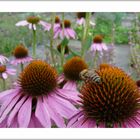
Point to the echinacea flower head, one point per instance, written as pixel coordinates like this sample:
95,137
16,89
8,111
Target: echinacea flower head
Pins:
70,77
32,21
4,71
21,55
81,18
66,49
36,101
73,67
98,44
57,20
112,103
68,31
3,59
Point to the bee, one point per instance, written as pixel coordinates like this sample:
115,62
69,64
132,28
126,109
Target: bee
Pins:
90,75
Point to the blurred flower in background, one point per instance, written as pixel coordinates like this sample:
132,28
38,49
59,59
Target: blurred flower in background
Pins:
81,18
21,56
3,59
4,71
32,21
68,31
98,44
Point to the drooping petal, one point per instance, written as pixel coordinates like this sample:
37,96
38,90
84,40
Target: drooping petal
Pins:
22,23
74,118
24,114
70,95
71,33
62,106
55,116
42,113
5,98
46,25
9,107
4,75
11,71
34,123
15,111
70,85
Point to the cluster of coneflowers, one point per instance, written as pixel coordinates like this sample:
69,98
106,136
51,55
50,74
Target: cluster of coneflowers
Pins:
42,98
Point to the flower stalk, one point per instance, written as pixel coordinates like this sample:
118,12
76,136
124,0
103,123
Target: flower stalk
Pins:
51,39
4,84
22,66
34,42
62,45
85,34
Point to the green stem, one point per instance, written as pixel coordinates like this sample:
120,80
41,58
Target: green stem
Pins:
51,39
85,34
4,83
62,47
34,43
22,66
95,60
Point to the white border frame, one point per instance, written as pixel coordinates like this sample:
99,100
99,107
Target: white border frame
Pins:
67,6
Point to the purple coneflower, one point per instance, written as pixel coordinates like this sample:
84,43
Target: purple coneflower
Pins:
32,21
4,72
81,18
57,22
68,31
114,102
98,44
70,77
3,59
21,56
36,100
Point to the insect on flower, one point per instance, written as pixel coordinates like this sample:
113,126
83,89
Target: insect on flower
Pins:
90,75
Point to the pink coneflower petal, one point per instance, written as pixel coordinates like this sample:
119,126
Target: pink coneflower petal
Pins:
21,60
10,106
56,28
3,124
104,47
62,106
45,117
70,85
99,47
56,34
55,116
80,21
6,97
93,48
32,26
61,34
3,59
79,123
34,123
71,33
66,34
15,111
11,71
74,118
22,23
24,114
70,95
46,25
4,75
14,123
